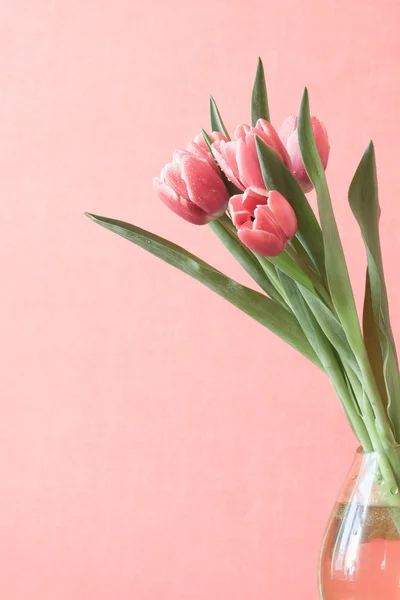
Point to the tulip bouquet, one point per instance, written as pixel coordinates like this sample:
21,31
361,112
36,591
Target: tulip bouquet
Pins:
251,191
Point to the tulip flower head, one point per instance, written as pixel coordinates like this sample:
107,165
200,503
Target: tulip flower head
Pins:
192,188
289,137
238,158
265,221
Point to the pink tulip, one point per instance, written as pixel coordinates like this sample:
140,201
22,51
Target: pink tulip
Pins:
199,147
265,221
289,137
192,188
239,159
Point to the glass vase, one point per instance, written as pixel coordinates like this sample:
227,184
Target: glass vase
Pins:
360,555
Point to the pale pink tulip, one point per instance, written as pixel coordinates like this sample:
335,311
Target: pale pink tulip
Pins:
192,188
289,137
239,159
265,221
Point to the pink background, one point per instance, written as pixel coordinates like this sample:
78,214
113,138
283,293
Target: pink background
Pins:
155,442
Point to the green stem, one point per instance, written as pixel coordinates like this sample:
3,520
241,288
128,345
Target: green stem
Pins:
305,256
351,408
390,464
313,276
222,228
271,273
374,400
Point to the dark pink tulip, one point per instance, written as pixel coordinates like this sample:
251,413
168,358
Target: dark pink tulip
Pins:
289,137
192,188
239,160
265,221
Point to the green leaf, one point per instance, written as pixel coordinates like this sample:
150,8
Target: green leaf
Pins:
259,99
372,343
217,123
332,328
256,305
364,202
308,322
336,268
245,258
284,263
207,139
338,277
277,177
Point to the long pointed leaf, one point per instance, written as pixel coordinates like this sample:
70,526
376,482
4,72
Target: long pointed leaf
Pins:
256,305
277,177
364,202
336,268
216,121
259,99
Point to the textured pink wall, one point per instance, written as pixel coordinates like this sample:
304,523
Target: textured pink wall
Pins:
154,442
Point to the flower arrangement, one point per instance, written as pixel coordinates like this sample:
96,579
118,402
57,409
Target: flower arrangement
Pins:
251,190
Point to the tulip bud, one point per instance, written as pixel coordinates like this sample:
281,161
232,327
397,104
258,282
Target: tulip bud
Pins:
265,221
289,137
239,159
192,188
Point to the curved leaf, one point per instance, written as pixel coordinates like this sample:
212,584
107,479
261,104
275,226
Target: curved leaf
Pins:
336,268
364,202
286,264
259,99
256,305
332,328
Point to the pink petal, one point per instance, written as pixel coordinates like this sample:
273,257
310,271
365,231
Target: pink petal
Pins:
247,161
201,151
171,175
236,202
216,135
239,214
261,242
283,214
199,141
253,197
289,134
286,129
268,134
321,139
224,153
264,221
298,170
241,130
205,187
229,153
198,149
181,207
